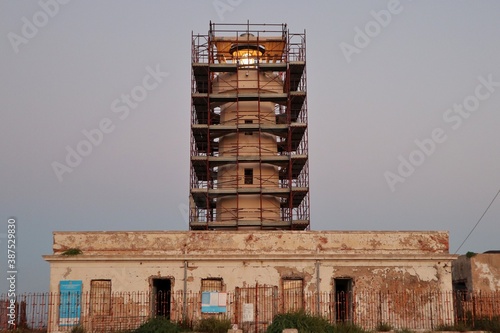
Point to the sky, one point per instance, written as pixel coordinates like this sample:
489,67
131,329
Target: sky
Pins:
403,104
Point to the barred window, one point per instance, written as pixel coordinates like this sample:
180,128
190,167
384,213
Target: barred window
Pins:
211,284
100,297
248,176
293,294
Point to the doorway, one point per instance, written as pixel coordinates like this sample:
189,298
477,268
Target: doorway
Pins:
343,299
162,289
461,295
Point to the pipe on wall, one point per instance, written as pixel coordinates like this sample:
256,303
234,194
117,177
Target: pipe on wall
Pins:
184,298
318,289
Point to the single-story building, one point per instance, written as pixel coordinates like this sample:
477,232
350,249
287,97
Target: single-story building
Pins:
369,277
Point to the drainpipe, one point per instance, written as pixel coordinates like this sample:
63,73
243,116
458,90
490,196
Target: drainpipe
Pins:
318,289
184,298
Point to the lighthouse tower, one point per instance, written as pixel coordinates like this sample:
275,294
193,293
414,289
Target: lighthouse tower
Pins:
249,162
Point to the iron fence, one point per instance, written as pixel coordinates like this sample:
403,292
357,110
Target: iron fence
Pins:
251,308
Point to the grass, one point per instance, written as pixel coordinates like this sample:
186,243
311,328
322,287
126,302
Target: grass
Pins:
405,330
481,324
213,325
383,327
347,328
158,325
302,321
306,323
72,252
490,325
78,329
460,327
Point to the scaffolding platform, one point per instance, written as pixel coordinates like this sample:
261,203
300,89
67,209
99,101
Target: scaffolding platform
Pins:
204,101
292,134
295,163
279,57
242,224
293,72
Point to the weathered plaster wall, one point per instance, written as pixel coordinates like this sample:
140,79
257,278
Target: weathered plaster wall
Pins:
370,274
243,243
374,260
485,271
480,272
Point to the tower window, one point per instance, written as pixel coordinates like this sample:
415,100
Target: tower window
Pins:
248,176
248,121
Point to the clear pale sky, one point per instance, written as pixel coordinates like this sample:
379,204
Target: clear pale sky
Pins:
422,84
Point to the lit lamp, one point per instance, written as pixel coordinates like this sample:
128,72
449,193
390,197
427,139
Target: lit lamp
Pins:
247,54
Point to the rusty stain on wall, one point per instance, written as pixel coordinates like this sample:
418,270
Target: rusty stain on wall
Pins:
207,242
382,260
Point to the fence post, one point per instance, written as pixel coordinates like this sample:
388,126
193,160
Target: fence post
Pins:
415,310
256,323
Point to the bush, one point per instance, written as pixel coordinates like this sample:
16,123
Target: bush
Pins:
72,252
78,329
347,328
490,325
405,330
383,327
158,325
458,327
213,325
306,323
185,325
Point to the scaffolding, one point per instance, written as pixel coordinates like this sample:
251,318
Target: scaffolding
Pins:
249,152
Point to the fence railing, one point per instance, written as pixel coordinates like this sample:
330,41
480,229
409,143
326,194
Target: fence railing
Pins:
252,308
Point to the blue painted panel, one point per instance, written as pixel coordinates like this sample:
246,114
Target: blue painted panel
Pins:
70,302
213,302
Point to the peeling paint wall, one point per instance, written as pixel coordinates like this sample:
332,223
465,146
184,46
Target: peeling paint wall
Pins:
382,260
480,272
373,261
136,274
241,242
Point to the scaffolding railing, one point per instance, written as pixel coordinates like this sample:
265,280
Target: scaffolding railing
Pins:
275,84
